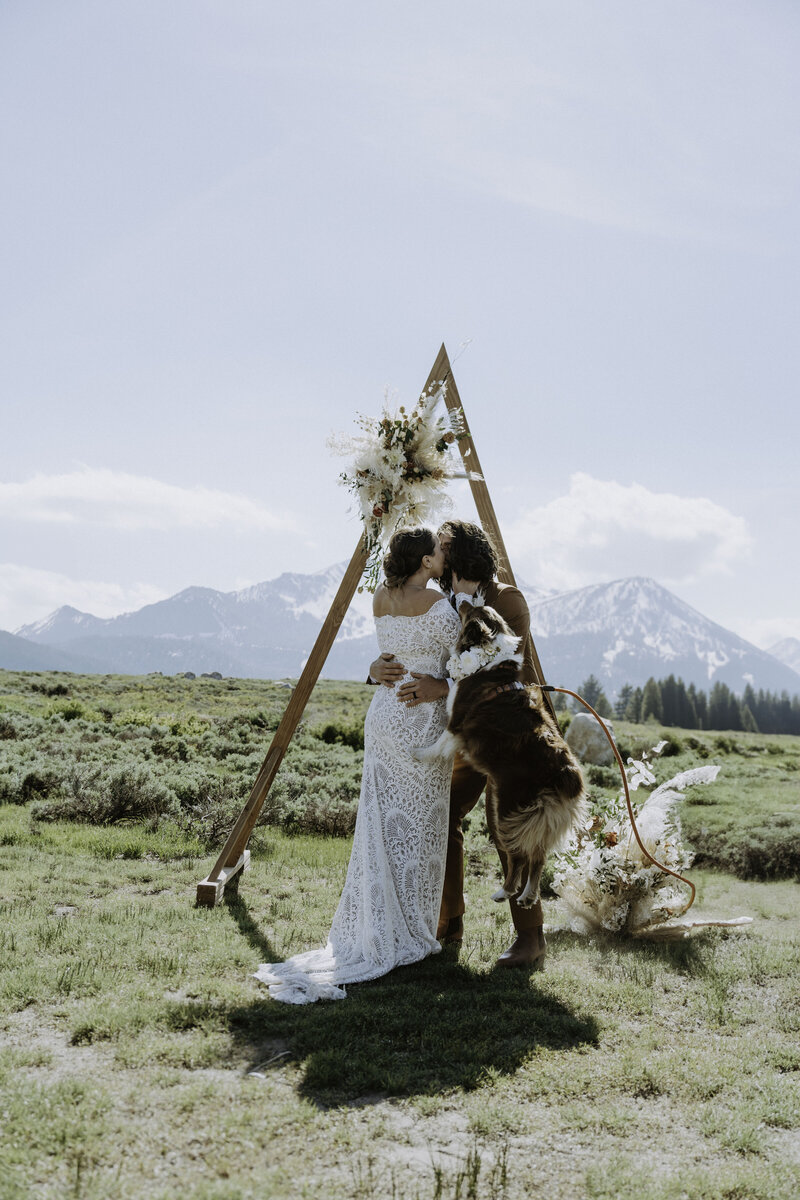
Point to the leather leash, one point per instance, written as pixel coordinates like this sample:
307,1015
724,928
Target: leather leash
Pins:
548,687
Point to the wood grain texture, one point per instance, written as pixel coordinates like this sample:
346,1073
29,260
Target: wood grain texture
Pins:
209,891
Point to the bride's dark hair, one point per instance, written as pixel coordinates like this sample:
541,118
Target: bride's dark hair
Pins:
407,548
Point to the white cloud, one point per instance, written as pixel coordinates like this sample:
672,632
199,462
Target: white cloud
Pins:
28,594
98,496
604,530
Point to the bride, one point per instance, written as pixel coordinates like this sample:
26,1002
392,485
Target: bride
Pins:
388,911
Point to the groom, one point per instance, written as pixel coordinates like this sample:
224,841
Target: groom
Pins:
470,558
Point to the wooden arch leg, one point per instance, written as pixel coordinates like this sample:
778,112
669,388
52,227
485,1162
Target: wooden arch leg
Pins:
234,857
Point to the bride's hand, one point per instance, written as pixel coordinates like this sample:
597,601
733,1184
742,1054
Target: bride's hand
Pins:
386,670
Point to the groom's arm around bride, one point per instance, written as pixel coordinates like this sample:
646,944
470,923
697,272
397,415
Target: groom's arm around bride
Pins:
472,563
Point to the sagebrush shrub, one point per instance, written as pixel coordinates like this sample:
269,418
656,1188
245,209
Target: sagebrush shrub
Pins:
38,783
8,730
762,852
127,793
604,777
55,689
109,756
343,734
68,710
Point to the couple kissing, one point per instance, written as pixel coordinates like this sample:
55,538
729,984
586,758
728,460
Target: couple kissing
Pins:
471,560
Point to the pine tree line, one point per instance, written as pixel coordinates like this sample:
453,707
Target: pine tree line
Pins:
670,702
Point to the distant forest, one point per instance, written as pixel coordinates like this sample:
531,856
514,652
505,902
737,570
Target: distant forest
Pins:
670,702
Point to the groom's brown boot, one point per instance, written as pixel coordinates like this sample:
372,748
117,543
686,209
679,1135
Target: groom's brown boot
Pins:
528,950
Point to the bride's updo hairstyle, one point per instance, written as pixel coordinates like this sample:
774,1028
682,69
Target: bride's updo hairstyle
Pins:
407,548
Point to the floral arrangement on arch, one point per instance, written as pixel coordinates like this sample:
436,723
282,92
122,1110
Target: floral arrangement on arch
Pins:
603,879
402,463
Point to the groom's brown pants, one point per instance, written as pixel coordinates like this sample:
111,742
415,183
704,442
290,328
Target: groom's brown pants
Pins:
465,792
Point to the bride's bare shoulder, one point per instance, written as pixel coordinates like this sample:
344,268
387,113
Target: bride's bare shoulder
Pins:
381,601
399,603
435,597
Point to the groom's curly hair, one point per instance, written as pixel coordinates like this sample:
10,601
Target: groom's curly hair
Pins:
471,554
407,549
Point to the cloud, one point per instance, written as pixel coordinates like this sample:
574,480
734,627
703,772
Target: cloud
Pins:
28,594
98,496
605,530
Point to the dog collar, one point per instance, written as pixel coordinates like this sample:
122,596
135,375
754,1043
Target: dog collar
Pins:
510,687
501,649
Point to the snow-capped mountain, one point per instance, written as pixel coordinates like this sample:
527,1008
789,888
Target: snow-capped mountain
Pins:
630,629
787,651
622,632
263,631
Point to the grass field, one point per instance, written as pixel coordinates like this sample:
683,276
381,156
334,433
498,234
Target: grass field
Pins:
139,1058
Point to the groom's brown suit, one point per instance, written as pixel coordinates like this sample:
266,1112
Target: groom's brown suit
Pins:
468,784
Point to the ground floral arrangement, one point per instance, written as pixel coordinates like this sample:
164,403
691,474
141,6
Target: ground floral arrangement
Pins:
602,877
401,465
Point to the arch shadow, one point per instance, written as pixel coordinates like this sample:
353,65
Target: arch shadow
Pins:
435,1026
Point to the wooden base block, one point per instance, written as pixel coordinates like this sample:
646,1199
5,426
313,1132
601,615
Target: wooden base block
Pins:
210,891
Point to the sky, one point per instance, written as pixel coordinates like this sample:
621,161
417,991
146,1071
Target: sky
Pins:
229,226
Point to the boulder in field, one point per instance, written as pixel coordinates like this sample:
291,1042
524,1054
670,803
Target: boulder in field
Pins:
587,740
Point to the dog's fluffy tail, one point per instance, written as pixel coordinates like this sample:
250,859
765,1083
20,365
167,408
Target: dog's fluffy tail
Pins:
443,747
546,824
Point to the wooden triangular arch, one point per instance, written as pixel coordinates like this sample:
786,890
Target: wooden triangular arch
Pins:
235,856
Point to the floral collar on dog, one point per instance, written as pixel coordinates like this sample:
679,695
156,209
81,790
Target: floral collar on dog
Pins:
500,649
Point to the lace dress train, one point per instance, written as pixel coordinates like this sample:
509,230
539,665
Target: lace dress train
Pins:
389,907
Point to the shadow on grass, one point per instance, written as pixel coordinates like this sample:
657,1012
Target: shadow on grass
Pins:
431,1027
687,956
248,928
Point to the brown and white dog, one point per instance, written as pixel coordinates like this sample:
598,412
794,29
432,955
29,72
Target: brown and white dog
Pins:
503,729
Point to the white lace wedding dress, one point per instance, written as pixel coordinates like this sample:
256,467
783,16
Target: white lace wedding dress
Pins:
389,908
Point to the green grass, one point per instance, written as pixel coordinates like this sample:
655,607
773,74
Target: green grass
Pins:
182,755
131,1022
138,1057
141,699
109,749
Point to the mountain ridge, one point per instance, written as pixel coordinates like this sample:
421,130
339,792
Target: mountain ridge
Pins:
622,631
787,650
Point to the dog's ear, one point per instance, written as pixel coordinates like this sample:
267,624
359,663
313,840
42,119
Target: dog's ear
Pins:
495,622
473,633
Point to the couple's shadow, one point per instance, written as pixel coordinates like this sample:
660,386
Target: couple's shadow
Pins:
437,1025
